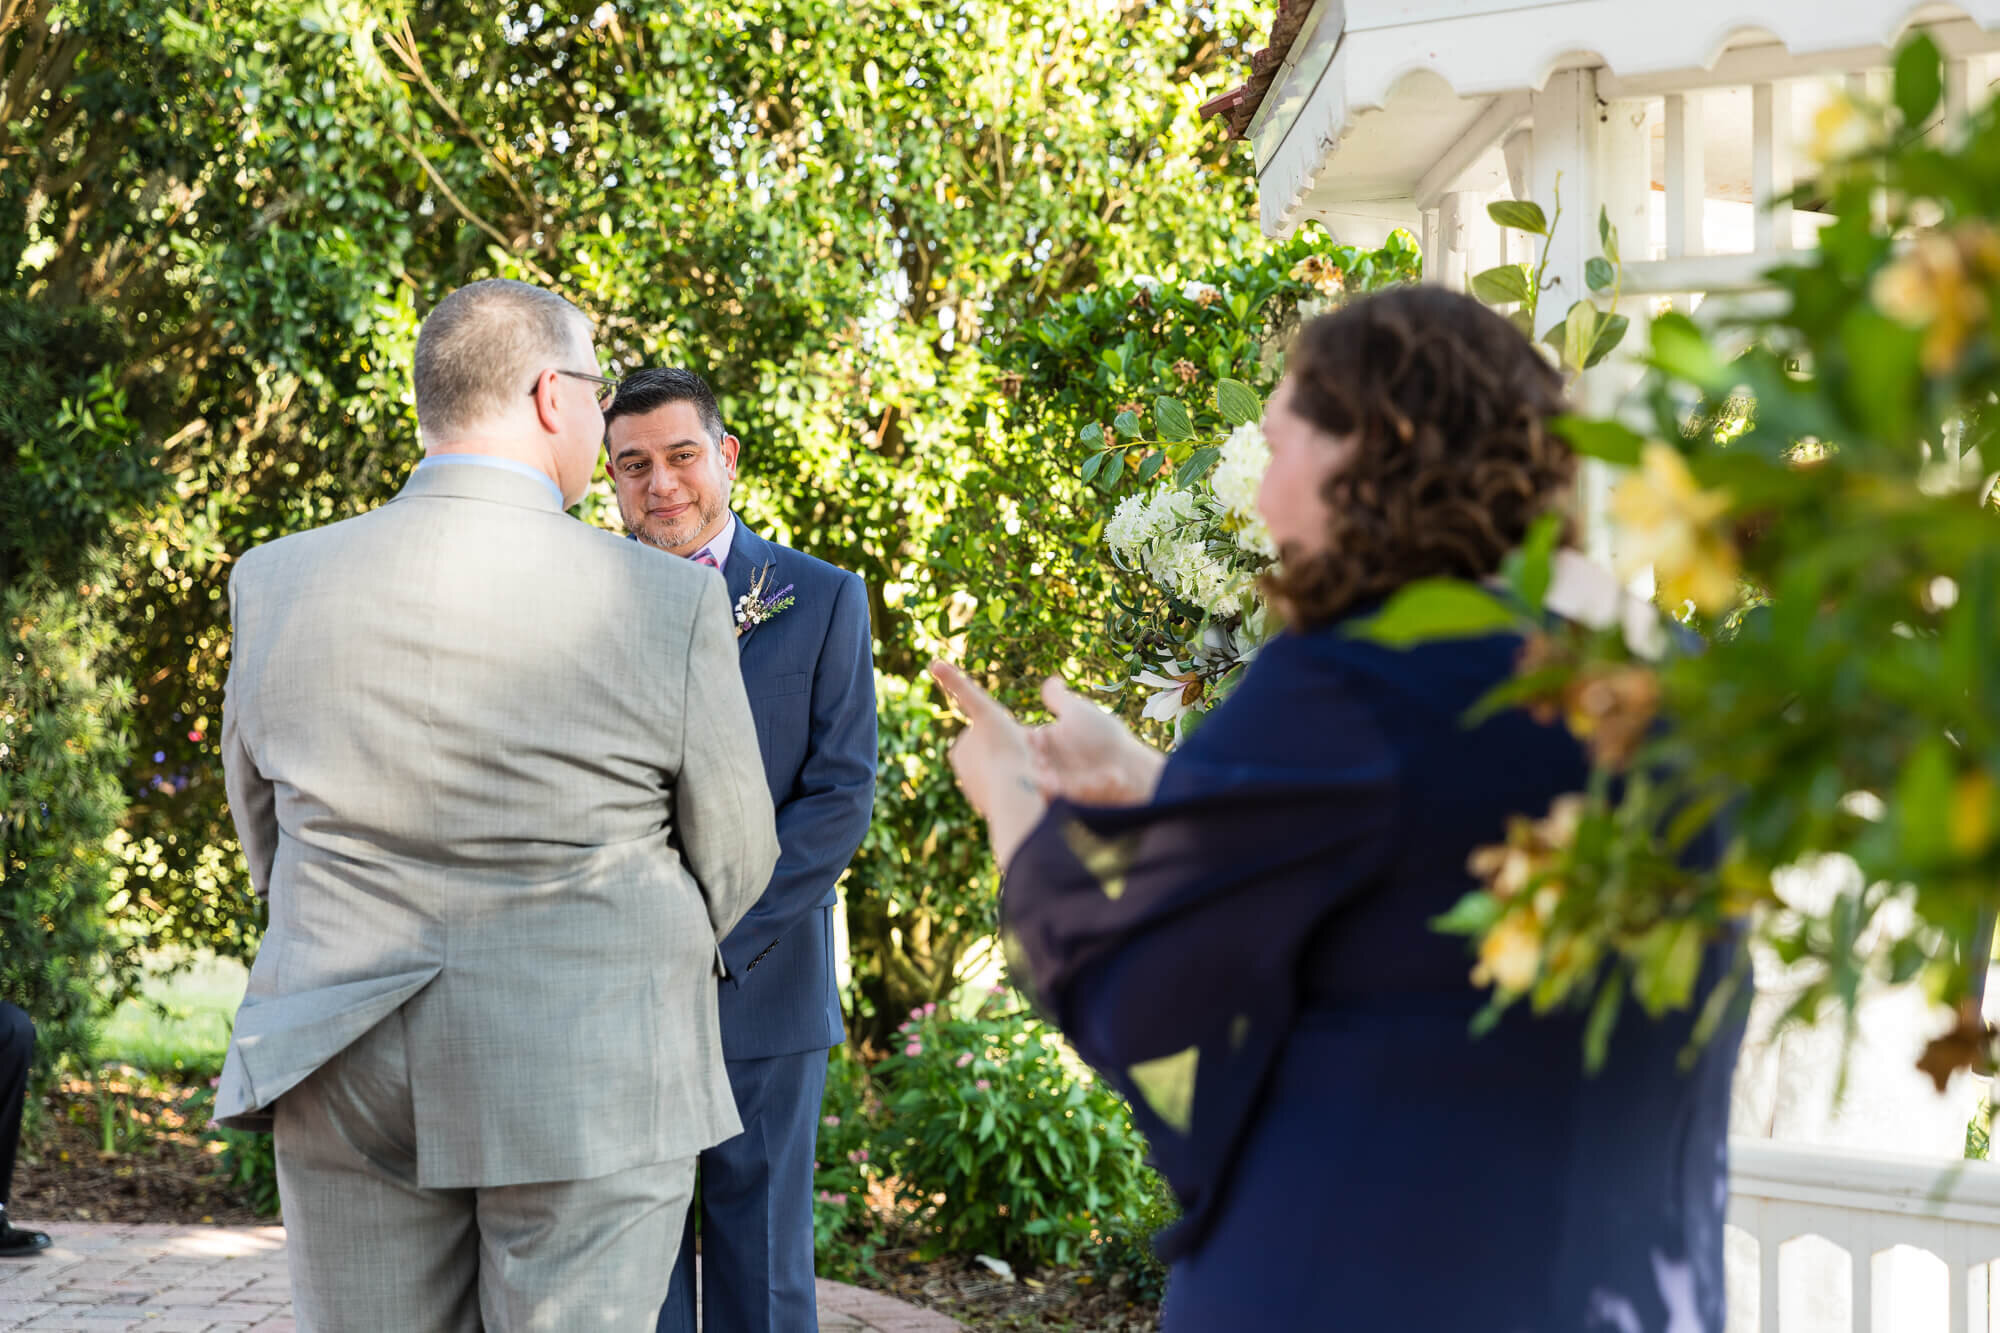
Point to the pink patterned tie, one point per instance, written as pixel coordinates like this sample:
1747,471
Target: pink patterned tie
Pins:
705,557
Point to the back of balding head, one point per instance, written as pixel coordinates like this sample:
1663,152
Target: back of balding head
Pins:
480,349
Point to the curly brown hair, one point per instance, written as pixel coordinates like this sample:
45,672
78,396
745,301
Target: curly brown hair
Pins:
1454,460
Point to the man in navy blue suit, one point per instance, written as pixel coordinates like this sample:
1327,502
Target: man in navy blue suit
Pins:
803,641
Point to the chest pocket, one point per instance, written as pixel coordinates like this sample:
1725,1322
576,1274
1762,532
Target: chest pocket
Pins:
782,707
776,687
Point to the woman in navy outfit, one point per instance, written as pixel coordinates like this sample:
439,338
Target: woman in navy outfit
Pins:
1238,935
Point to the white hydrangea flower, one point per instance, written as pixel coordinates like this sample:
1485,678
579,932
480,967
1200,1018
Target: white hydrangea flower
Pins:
1129,529
1245,457
1202,293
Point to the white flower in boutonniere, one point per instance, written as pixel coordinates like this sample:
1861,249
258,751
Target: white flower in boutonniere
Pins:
758,605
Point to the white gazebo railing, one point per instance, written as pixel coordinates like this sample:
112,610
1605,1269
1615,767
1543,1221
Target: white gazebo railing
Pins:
1919,1238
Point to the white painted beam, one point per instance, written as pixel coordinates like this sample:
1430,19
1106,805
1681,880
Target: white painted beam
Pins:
1501,115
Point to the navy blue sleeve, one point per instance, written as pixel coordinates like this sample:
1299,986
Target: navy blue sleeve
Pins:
823,819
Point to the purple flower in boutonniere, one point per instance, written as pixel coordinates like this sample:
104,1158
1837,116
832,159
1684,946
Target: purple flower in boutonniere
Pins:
758,605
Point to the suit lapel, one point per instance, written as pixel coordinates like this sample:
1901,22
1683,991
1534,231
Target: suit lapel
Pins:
748,553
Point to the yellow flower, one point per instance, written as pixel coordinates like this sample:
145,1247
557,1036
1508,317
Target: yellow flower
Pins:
1972,813
1319,273
1843,128
1937,287
1511,953
1670,524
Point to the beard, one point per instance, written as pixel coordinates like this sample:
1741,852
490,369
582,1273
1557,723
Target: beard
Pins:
668,534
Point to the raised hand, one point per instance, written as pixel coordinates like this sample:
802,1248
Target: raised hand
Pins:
995,767
1087,755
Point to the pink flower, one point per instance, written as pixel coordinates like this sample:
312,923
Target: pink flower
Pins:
914,1048
930,1009
831,1120
999,988
965,1060
982,1085
915,1014
858,1156
215,1082
839,1200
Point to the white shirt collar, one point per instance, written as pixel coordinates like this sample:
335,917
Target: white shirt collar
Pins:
503,464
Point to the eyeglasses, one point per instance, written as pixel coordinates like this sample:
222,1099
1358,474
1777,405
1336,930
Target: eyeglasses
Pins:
604,399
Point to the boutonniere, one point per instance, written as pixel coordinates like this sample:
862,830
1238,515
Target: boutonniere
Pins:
758,605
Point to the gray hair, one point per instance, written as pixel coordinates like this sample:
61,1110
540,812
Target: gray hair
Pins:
482,346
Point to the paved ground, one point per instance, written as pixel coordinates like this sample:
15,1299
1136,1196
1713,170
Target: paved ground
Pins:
167,1279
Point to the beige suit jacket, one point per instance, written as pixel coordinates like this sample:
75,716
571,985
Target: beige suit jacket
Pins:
494,768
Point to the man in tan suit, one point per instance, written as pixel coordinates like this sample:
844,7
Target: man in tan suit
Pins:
503,822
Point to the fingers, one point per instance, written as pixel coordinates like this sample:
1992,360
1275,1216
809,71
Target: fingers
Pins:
972,699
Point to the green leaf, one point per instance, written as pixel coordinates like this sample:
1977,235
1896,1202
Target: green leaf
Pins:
1603,1018
1091,436
1151,467
1523,321
1431,609
1605,440
1579,334
1504,285
1529,568
1610,332
1521,215
1919,79
1196,467
1473,914
1680,349
1127,425
1114,468
1237,402
1092,466
1598,274
1923,804
1174,422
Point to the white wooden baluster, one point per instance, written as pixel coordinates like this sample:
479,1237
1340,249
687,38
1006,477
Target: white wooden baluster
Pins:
1957,85
1687,175
1687,181
1863,1269
1771,165
1960,1282
1768,1245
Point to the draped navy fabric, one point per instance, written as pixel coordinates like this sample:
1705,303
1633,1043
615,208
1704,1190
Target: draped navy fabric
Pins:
1249,959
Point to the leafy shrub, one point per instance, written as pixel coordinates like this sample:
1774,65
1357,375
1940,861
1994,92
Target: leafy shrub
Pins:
846,1231
927,886
72,474
1003,1141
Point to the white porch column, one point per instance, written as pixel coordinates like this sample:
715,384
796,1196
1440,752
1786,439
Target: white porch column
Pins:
1461,216
1565,163
1624,189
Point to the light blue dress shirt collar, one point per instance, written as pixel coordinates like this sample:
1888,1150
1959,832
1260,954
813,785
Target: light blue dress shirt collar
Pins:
504,464
719,548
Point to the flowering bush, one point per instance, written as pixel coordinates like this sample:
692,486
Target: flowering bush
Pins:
1155,389
1817,507
847,1231
1003,1142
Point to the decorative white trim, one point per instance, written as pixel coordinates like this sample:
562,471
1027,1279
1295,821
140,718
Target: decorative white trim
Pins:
1639,51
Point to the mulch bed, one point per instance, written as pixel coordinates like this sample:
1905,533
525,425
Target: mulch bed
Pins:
981,1300
162,1167
165,1168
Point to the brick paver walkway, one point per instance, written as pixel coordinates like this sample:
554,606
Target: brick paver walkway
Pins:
167,1279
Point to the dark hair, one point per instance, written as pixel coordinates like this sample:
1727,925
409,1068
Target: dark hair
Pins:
652,387
1454,461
